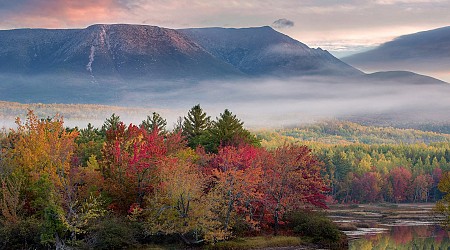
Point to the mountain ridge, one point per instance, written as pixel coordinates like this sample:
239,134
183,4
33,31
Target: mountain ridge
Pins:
237,46
106,62
425,52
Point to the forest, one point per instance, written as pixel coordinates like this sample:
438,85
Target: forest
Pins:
371,164
201,183
204,182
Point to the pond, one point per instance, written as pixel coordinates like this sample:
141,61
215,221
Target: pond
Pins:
403,237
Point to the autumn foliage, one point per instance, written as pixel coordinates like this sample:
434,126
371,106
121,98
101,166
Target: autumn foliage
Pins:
70,180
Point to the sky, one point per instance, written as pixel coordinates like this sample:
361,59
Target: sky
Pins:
340,26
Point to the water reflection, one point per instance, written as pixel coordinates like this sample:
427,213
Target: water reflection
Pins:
405,237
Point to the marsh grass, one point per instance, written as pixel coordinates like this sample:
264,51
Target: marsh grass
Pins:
259,242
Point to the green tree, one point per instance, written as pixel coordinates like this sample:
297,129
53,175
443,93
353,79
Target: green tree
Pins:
111,123
90,142
178,125
195,126
228,130
154,121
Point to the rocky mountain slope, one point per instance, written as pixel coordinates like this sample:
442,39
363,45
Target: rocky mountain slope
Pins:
113,51
264,51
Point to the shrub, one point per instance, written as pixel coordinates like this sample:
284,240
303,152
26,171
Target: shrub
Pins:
23,235
242,228
317,226
111,233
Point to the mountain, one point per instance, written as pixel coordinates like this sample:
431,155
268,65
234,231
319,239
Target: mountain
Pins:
102,63
149,52
264,51
120,51
149,65
426,52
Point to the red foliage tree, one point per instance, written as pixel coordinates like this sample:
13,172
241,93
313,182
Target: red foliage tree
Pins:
131,158
237,174
292,180
367,188
400,178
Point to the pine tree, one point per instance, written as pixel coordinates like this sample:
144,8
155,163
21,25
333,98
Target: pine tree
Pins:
228,130
195,126
111,123
155,121
178,125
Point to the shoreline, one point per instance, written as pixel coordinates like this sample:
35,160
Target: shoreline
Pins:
357,220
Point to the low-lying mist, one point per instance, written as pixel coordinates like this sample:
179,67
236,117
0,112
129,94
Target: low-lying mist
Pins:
261,102
285,102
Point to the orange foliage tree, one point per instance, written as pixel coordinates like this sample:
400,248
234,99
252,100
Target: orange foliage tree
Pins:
291,180
237,175
43,147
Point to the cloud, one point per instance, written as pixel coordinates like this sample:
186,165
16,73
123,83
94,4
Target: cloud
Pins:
61,13
391,2
259,102
283,23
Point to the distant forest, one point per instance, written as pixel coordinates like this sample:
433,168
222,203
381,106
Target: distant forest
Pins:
373,164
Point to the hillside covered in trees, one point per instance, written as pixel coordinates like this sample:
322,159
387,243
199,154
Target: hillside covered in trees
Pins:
344,132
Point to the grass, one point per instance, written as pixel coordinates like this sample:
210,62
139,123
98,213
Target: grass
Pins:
161,247
238,243
258,242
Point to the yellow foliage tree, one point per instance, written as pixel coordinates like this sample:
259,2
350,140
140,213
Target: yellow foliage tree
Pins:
178,205
44,147
443,206
10,202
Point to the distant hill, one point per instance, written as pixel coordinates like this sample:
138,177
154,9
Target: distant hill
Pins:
426,52
330,131
405,77
77,114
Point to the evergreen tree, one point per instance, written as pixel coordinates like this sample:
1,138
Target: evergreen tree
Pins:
228,130
178,125
155,121
111,123
89,134
195,126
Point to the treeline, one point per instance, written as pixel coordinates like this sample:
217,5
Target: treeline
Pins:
74,114
120,185
391,173
387,172
340,132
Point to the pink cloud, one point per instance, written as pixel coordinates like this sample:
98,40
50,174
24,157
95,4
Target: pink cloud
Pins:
65,13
